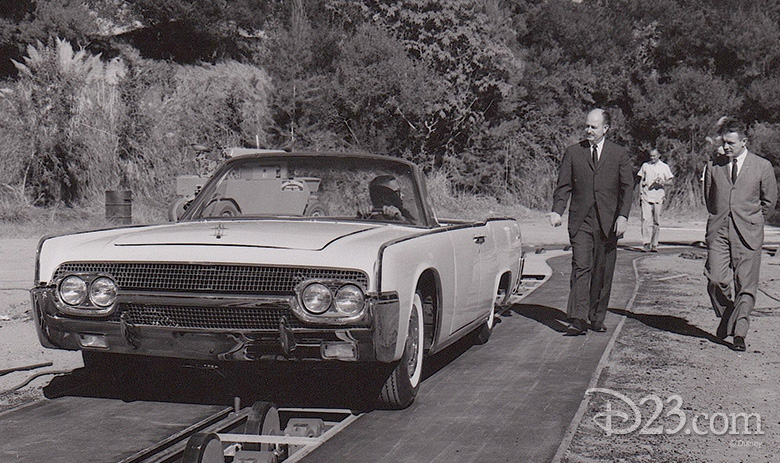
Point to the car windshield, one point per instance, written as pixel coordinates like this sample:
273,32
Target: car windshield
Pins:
340,187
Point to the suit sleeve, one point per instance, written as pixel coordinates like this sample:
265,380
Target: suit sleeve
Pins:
707,179
768,190
564,187
626,180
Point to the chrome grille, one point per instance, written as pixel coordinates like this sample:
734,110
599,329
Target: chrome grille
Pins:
217,278
215,318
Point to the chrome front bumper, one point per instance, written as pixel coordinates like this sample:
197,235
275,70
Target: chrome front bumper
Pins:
291,339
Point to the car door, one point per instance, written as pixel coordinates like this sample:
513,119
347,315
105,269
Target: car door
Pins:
472,248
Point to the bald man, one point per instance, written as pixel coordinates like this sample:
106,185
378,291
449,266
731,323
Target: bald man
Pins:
597,174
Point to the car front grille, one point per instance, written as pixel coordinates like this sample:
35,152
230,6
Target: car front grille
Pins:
208,278
210,318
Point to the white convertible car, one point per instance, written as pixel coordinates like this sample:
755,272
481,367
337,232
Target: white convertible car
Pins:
284,257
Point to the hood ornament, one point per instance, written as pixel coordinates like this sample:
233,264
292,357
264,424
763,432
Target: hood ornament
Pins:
219,231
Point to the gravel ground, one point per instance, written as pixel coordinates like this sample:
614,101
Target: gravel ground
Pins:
666,355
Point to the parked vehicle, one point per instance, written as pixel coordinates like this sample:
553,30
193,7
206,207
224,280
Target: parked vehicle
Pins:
251,273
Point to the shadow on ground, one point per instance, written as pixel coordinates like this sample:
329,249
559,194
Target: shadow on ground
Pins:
548,316
556,320
294,384
671,324
288,386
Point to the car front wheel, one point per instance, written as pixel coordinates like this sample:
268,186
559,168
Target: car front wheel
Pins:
402,385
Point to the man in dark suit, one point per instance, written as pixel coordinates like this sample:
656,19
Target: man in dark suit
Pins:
598,176
739,190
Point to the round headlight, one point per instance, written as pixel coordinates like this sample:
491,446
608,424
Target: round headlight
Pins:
349,300
316,298
73,290
102,291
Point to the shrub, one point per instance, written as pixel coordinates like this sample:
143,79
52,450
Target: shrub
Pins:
74,126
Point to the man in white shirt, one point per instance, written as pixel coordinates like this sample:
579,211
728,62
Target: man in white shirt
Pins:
654,176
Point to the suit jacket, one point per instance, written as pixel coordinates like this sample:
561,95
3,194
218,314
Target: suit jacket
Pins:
748,201
609,185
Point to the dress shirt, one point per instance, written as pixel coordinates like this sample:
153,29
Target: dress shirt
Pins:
599,146
741,159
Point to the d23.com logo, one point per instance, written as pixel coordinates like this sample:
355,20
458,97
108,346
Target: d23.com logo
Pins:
668,417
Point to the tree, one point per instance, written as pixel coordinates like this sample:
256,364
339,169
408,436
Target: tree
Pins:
384,97
462,45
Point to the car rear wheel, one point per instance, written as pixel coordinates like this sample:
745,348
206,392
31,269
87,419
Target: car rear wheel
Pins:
402,385
486,329
316,209
228,209
483,333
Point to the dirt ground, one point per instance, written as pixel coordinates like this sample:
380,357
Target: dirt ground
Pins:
664,354
692,384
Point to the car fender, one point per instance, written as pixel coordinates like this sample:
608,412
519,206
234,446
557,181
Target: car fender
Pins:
402,265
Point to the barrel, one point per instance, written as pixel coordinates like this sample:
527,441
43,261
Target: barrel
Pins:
119,206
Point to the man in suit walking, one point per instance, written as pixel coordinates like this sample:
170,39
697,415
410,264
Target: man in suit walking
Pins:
598,176
740,189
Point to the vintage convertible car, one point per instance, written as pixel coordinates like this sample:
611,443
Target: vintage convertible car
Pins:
250,274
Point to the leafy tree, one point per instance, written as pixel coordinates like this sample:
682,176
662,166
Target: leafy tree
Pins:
301,62
384,97
460,42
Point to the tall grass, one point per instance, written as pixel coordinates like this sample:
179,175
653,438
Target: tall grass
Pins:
74,126
452,204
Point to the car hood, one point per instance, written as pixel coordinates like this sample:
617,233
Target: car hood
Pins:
302,235
277,242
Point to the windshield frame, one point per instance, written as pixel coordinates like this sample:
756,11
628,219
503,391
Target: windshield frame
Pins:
416,178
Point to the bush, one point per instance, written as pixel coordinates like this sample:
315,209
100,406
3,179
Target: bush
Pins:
74,126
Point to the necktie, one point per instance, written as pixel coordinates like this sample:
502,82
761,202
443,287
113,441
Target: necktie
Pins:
595,155
733,171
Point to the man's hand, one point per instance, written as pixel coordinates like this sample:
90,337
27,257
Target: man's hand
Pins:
388,212
555,219
392,212
364,211
620,226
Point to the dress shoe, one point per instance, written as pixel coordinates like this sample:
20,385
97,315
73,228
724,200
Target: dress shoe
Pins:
653,248
577,328
598,327
646,247
739,344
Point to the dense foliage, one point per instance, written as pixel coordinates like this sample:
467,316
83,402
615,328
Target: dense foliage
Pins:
487,92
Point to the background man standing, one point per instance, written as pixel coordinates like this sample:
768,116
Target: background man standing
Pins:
654,175
597,174
740,189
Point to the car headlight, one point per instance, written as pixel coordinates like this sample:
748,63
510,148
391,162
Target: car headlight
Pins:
73,290
102,291
316,298
349,300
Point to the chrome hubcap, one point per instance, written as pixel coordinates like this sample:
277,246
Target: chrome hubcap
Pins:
412,343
